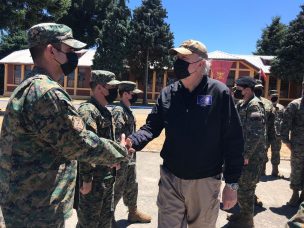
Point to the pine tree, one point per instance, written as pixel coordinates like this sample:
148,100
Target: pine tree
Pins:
86,17
272,37
23,14
111,45
150,40
289,63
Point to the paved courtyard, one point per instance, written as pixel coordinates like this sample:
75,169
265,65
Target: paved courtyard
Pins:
273,192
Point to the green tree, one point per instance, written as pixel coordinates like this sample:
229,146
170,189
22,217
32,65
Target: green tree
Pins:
86,17
111,45
271,38
289,62
150,40
23,14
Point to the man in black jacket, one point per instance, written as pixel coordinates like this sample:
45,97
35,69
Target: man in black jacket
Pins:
203,132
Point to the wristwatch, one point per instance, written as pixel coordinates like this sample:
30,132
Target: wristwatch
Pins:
233,186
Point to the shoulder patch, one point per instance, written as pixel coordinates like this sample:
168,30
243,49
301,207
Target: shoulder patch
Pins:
77,123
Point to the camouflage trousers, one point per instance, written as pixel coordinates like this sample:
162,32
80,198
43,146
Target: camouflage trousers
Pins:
94,209
297,168
126,186
297,221
247,185
275,145
14,217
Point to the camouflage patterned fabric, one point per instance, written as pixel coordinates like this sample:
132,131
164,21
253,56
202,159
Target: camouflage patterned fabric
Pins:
95,207
104,77
127,186
42,135
293,123
297,221
45,33
252,116
275,141
270,117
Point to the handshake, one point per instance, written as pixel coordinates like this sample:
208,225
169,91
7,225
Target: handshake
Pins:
127,143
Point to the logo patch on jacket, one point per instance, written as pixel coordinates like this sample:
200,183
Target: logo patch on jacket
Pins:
204,100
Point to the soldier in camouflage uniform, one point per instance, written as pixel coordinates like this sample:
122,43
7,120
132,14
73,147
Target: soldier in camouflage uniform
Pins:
276,142
124,121
42,136
95,199
268,106
292,135
252,116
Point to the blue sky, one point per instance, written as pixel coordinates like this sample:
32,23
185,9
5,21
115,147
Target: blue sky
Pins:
231,26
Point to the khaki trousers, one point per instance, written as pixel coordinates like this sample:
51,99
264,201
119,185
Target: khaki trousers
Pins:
187,202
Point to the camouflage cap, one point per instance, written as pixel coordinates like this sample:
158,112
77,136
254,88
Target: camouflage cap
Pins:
104,77
129,86
45,33
246,81
189,47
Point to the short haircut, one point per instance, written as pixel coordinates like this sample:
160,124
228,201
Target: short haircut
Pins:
93,85
122,91
37,51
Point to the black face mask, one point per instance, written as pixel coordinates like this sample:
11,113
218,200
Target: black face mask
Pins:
133,99
258,92
238,94
71,64
181,69
274,99
112,95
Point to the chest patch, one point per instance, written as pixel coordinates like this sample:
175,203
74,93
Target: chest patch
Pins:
204,100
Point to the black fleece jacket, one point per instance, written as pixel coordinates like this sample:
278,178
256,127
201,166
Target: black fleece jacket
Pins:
203,131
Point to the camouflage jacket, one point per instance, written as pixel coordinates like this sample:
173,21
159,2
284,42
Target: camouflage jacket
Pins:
124,121
278,117
99,120
293,123
270,116
42,135
252,115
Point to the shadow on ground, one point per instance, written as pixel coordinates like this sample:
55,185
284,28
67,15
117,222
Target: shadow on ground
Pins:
284,210
272,178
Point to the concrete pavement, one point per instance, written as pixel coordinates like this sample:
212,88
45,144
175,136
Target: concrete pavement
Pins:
273,192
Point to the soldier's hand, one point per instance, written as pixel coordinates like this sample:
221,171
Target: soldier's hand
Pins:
129,146
229,198
246,161
85,188
123,140
116,166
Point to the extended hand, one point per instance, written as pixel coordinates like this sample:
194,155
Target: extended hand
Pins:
85,188
129,146
116,166
229,198
246,161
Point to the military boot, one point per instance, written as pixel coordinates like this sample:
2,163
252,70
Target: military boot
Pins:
294,200
240,221
136,216
257,201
